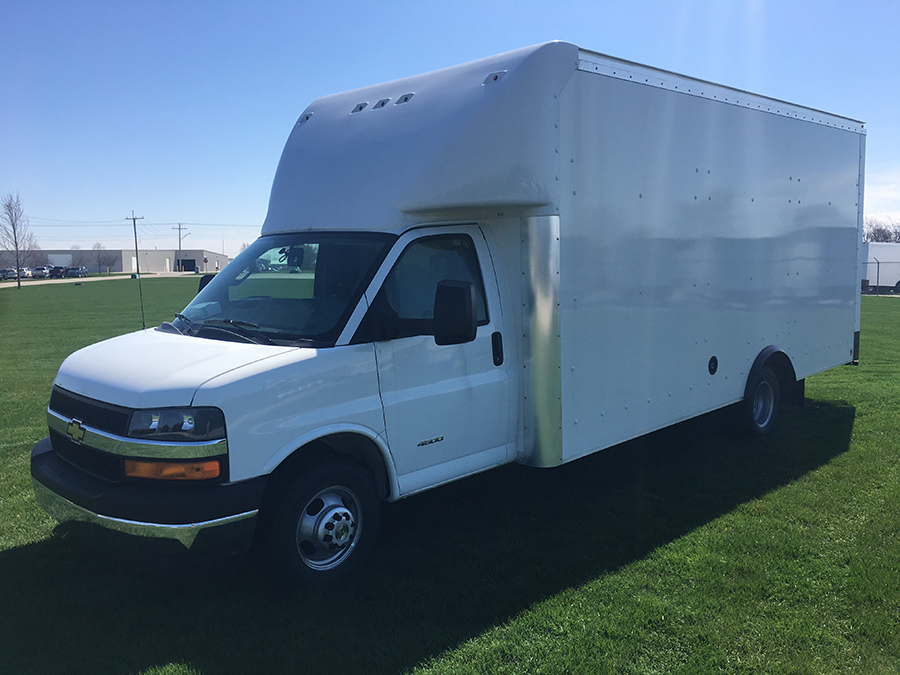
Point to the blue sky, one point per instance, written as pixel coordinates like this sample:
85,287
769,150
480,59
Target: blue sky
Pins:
179,109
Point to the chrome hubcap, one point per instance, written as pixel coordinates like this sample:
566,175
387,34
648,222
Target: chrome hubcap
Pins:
763,404
328,528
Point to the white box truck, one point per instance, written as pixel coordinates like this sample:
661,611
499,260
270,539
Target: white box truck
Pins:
527,258
881,271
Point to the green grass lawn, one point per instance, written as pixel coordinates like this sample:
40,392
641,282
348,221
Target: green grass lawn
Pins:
686,551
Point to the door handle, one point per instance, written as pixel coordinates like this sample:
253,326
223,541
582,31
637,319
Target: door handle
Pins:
497,346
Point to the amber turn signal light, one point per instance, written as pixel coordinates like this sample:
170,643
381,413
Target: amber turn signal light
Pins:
136,468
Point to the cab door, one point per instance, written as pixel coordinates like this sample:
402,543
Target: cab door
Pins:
447,407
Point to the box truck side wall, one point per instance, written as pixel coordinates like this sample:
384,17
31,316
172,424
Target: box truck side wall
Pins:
694,233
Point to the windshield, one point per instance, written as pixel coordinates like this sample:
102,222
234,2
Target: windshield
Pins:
287,289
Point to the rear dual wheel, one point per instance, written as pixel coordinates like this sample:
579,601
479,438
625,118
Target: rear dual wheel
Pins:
762,403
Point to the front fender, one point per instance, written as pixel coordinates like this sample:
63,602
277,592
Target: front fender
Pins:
323,433
291,399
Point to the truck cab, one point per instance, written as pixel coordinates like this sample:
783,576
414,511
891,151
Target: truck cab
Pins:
377,356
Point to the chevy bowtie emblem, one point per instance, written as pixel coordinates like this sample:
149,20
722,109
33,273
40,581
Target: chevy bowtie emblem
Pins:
75,431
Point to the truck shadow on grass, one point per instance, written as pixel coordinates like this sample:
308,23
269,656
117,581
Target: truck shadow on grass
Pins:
450,563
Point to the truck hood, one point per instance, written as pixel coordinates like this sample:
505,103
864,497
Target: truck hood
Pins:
151,368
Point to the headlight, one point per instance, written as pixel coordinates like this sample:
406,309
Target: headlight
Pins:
178,424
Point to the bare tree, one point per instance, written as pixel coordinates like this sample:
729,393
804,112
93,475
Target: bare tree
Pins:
102,257
78,256
14,233
876,229
244,245
97,248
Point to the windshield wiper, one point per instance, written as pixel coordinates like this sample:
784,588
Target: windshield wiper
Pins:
231,322
167,327
250,335
305,342
235,327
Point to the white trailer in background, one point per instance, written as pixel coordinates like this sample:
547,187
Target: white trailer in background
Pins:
881,267
527,258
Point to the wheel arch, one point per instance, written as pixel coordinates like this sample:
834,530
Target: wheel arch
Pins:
780,363
358,445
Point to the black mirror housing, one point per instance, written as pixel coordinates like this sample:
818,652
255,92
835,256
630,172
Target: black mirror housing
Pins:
455,313
204,280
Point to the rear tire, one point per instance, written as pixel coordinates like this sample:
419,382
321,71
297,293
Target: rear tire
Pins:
763,403
326,522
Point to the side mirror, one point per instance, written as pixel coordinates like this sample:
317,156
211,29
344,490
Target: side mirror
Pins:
204,280
295,256
455,314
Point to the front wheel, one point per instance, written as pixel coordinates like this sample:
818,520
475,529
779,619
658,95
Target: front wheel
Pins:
326,522
762,403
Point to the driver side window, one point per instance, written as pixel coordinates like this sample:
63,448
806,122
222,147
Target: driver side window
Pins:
404,306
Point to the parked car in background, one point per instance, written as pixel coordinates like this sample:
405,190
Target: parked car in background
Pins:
41,272
76,271
25,273
7,273
59,272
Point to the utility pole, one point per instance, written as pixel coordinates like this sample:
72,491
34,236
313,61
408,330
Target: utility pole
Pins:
137,258
180,228
137,263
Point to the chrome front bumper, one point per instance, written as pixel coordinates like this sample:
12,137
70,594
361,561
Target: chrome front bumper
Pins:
213,518
237,528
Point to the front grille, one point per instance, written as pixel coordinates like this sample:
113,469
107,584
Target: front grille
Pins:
90,460
112,419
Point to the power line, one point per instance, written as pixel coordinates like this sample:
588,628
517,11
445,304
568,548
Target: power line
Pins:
152,228
77,222
56,222
70,223
254,227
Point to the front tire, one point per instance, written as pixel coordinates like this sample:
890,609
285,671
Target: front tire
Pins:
326,522
763,403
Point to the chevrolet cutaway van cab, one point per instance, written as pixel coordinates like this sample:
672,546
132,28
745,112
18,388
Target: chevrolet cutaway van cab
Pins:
527,258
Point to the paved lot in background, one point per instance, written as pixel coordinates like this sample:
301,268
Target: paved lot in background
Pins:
81,280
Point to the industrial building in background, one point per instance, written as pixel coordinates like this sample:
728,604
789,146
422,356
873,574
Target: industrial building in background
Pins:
111,261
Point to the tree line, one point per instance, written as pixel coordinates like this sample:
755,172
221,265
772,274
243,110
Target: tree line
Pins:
881,230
